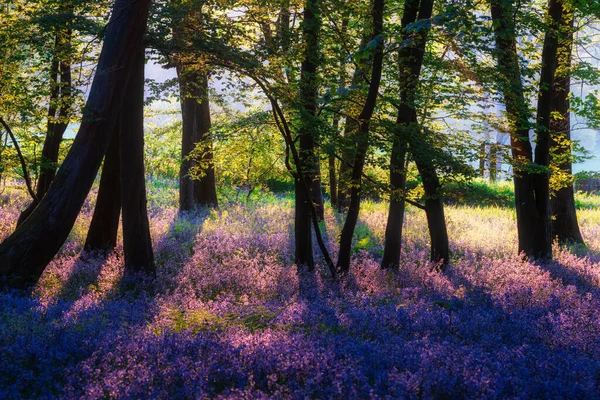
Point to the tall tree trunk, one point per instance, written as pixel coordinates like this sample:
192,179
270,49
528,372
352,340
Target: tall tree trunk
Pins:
188,138
362,140
406,116
102,234
205,187
411,62
311,27
137,243
534,241
544,110
59,109
351,126
562,204
25,254
349,145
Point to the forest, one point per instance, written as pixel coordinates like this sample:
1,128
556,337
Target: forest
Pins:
338,199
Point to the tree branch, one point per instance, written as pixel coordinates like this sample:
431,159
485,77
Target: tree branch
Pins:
21,158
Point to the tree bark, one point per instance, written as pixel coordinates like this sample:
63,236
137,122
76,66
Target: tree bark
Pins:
348,147
493,162
562,204
410,63
205,187
544,109
351,126
59,109
137,243
406,116
309,170
332,181
25,254
534,238
188,139
102,234
482,157
362,140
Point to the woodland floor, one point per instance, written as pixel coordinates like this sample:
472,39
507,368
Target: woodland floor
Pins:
228,315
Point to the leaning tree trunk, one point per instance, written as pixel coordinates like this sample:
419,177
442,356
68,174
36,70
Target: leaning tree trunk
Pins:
534,240
137,243
59,109
309,170
205,187
362,140
25,254
562,204
102,234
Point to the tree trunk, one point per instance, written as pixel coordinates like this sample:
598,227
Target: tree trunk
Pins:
348,146
102,234
188,139
311,27
362,140
25,254
406,116
205,187
562,204
59,109
534,239
493,162
395,220
544,109
482,157
434,209
410,63
332,181
137,243
351,126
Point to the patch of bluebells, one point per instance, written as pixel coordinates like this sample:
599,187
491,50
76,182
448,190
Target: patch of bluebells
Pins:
229,316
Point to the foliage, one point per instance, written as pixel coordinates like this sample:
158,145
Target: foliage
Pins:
249,153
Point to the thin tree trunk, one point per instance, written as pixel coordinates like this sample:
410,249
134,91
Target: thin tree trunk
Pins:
482,157
362,140
332,181
59,109
25,254
562,204
102,234
137,243
493,162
